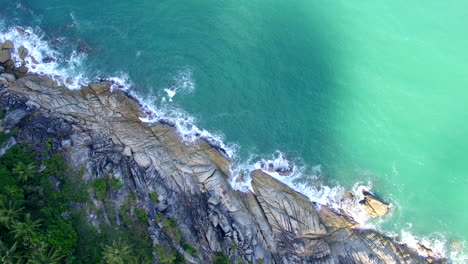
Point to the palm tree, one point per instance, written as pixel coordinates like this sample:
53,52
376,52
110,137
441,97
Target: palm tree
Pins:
26,229
9,255
8,214
24,172
117,253
53,256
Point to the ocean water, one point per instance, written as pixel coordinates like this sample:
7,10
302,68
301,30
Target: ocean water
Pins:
356,94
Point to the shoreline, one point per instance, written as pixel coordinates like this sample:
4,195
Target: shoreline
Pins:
104,88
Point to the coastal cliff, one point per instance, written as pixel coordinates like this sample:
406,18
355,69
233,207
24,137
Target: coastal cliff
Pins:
99,131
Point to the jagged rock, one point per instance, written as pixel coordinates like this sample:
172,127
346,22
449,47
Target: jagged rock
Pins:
373,206
8,76
275,225
4,56
8,45
15,117
290,215
22,52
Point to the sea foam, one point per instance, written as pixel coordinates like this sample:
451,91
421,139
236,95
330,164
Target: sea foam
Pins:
68,71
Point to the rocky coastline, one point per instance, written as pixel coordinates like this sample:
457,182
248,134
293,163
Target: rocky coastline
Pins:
99,131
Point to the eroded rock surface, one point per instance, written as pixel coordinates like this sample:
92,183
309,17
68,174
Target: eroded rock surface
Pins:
373,206
100,131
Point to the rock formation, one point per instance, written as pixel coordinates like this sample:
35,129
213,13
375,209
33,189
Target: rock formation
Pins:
99,130
373,206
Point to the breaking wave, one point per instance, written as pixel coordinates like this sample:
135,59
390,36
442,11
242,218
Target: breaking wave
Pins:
69,70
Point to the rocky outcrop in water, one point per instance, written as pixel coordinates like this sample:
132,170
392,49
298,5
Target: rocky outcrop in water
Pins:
373,206
99,131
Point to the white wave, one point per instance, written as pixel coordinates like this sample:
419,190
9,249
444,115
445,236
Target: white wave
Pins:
69,72
181,82
42,59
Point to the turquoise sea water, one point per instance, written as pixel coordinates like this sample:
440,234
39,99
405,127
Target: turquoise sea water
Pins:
372,91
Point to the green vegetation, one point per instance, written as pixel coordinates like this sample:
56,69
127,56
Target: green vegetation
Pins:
2,113
220,258
154,197
189,249
39,224
4,137
102,186
115,184
141,215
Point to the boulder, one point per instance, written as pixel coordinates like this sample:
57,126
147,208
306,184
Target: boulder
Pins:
8,76
2,69
34,60
142,160
15,117
20,31
22,52
373,206
8,45
4,56
22,69
3,80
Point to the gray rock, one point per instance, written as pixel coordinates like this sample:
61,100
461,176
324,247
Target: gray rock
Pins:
22,52
7,145
8,45
127,151
32,105
15,117
3,80
2,69
4,56
66,144
275,225
142,160
8,76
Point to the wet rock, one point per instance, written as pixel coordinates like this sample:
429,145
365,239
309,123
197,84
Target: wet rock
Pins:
15,117
34,60
8,76
22,52
4,56
48,59
373,206
22,69
20,30
8,45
